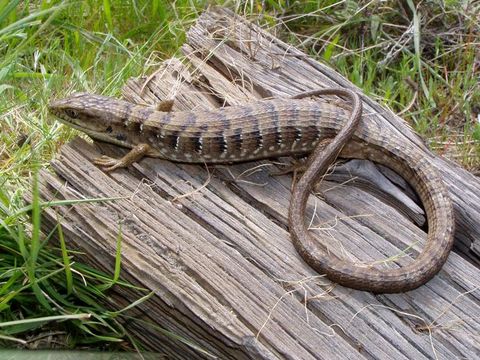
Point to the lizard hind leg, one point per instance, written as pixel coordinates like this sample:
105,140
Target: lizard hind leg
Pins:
299,164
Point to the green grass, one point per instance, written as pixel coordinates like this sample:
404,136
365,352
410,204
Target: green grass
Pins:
422,57
43,291
419,61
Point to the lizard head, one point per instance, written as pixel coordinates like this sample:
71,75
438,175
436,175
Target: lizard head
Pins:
101,117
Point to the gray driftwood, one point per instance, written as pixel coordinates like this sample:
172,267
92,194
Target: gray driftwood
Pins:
213,246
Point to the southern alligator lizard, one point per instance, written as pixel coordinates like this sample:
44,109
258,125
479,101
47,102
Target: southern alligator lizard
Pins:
273,128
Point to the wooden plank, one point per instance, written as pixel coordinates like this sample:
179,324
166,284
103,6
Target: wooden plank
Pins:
213,246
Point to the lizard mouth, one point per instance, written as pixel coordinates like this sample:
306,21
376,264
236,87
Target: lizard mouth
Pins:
56,108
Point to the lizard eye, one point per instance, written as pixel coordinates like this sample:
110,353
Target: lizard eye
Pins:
71,113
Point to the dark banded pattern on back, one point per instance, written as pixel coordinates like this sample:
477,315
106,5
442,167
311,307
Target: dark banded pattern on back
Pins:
257,130
244,132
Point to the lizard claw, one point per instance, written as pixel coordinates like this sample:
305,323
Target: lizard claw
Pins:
108,163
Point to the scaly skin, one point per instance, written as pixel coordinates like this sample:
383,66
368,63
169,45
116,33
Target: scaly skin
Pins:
274,128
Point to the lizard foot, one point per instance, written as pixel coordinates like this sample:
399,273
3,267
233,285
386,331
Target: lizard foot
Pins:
108,164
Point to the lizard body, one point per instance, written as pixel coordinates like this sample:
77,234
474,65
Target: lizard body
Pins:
273,128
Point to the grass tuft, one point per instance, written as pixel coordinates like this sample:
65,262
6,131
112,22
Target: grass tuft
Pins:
43,290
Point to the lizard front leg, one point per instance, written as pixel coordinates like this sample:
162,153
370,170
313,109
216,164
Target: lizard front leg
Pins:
137,152
109,164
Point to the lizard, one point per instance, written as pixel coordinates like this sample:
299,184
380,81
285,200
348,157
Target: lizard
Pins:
274,128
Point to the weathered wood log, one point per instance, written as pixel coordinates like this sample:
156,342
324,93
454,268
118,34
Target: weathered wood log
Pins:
213,246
